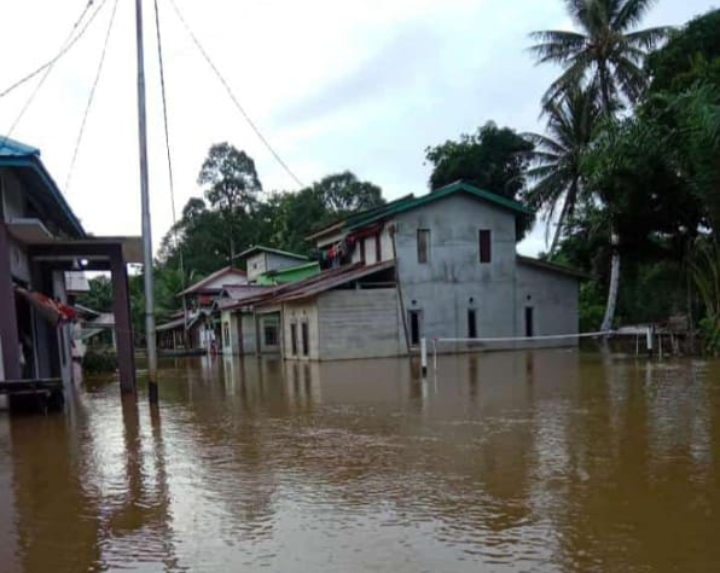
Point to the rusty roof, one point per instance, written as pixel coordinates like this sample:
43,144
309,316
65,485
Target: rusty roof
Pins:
315,285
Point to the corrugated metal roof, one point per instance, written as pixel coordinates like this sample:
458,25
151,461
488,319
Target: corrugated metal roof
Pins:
319,284
313,285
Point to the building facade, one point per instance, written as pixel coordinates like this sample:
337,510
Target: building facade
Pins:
41,241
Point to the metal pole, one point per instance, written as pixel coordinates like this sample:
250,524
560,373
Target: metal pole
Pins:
146,226
423,356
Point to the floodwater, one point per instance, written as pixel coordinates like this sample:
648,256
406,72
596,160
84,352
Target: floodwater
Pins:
510,462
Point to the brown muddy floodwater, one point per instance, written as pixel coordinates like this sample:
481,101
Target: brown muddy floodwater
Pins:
509,462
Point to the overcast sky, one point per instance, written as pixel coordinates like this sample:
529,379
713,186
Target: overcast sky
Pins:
360,85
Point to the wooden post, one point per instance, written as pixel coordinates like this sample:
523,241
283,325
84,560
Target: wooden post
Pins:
8,316
123,323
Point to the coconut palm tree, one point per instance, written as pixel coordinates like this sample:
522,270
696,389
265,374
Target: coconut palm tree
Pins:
608,53
556,170
606,50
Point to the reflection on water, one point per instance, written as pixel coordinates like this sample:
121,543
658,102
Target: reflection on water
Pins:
542,461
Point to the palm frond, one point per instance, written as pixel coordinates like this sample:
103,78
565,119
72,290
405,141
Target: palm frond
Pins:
572,76
648,38
631,79
631,14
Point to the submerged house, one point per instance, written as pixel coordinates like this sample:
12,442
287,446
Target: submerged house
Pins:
41,241
443,265
195,328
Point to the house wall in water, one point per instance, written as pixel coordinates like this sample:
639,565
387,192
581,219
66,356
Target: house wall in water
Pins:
295,315
453,280
551,299
360,324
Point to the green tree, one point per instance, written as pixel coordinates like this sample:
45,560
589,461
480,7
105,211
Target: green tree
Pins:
606,51
343,193
493,159
557,158
691,53
100,295
231,186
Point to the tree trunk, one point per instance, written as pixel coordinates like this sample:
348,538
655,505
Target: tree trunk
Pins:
569,197
607,322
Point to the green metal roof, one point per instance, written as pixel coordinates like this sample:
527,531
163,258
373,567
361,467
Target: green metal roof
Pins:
409,203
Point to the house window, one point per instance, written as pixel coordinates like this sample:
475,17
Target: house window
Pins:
472,323
226,334
423,245
529,322
293,338
485,246
271,334
378,248
415,334
305,339
362,251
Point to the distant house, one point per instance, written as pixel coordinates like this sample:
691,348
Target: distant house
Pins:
260,260
42,244
197,329
442,265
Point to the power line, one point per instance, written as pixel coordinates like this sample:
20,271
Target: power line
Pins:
49,63
163,92
171,177
240,108
69,43
91,97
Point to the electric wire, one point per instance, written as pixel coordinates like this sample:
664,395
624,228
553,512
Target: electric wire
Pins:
69,43
62,52
171,177
91,97
235,100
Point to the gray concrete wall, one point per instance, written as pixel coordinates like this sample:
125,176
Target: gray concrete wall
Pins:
443,288
360,324
298,313
554,299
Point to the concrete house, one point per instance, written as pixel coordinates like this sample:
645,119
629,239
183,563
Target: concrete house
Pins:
260,261
440,266
41,241
456,268
199,328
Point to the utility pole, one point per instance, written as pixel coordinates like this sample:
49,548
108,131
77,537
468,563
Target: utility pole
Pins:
150,341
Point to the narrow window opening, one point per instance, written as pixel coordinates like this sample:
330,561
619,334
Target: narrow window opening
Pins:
485,246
